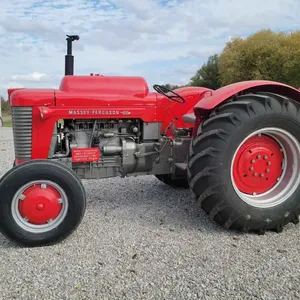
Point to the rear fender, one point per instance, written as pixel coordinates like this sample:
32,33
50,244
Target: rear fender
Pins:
202,109
221,95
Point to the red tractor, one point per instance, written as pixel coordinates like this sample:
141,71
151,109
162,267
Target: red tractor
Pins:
236,148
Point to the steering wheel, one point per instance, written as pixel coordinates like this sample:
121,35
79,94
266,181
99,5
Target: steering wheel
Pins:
164,91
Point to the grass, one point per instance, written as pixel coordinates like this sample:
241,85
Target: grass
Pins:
6,119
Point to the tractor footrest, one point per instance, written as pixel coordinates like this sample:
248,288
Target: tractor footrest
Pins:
181,166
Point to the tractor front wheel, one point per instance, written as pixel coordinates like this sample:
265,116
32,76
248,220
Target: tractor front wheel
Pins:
42,202
244,163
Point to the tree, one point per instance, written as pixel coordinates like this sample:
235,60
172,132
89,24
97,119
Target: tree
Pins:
264,55
208,75
5,107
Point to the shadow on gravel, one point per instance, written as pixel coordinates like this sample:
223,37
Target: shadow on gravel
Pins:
7,244
142,201
145,199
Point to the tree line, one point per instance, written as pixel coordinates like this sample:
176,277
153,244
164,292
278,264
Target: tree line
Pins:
5,107
265,55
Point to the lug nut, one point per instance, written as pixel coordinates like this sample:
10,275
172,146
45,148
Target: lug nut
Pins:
265,157
22,197
268,170
252,168
255,174
262,175
258,156
253,161
269,163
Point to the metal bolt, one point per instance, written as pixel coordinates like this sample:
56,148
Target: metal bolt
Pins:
43,186
22,197
252,168
278,178
269,163
259,134
255,174
262,175
268,170
253,161
49,221
59,200
265,157
254,194
258,156
25,219
281,150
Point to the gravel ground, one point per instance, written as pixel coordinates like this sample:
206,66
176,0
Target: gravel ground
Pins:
143,240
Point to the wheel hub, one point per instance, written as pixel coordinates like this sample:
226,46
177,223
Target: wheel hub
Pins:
258,165
40,204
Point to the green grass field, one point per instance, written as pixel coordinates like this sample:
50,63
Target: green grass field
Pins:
6,119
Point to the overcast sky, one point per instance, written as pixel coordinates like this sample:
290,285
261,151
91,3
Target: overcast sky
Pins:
165,41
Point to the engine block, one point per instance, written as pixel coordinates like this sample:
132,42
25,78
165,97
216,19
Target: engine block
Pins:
126,146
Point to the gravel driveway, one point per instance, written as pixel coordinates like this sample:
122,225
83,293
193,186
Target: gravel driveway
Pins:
143,240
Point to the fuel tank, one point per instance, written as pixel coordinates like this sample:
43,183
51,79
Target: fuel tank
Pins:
106,85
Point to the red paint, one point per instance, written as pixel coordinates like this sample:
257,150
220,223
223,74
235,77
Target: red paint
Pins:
192,95
40,205
91,97
228,91
257,165
31,97
105,85
19,161
9,91
85,155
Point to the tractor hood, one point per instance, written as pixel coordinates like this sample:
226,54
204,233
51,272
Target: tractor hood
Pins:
81,87
31,97
106,85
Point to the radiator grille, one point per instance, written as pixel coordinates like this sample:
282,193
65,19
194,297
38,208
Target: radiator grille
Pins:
22,131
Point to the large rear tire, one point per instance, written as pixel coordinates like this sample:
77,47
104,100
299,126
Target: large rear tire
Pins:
42,203
243,165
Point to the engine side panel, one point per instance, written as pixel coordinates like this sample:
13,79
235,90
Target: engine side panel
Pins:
174,112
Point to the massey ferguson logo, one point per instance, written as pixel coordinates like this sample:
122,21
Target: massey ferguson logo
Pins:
99,112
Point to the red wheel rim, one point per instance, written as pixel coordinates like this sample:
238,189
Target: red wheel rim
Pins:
273,151
257,165
40,204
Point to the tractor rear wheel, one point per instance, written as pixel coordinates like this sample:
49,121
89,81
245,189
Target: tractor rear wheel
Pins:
243,165
42,202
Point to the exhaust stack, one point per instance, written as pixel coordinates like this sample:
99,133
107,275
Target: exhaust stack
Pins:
69,58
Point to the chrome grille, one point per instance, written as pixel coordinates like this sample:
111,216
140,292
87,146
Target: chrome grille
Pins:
22,131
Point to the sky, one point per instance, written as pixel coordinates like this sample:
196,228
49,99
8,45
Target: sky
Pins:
164,41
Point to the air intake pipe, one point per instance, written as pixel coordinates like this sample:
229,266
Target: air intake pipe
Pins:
69,58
